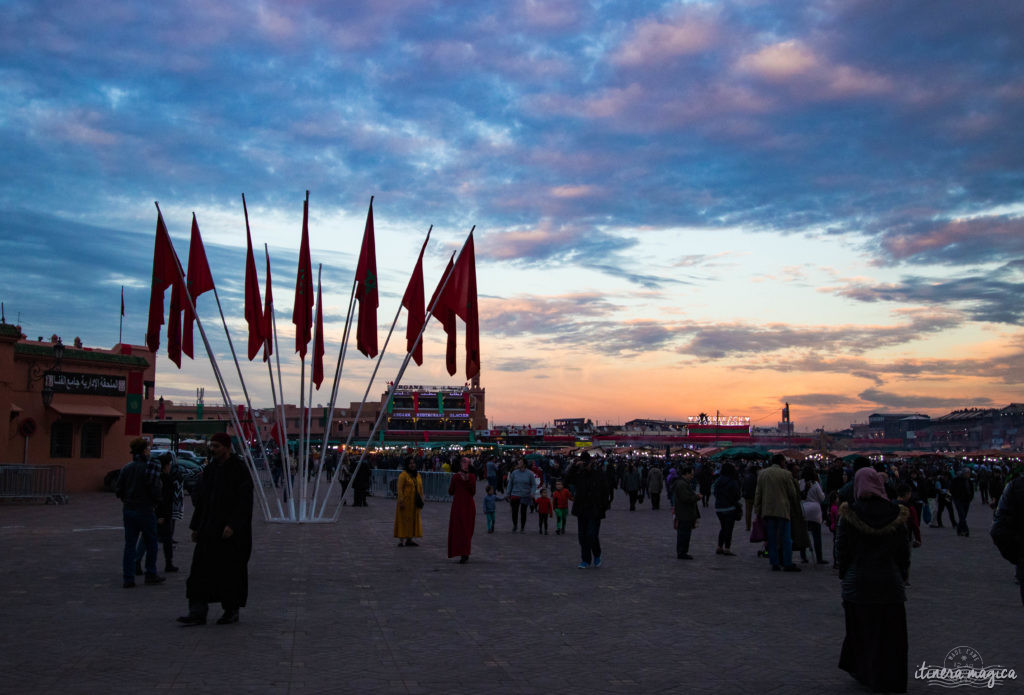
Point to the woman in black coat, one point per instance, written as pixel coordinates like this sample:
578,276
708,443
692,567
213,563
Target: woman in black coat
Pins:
727,506
873,548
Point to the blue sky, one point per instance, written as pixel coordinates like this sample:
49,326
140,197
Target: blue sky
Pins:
680,207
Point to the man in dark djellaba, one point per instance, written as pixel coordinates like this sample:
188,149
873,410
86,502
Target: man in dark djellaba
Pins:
222,531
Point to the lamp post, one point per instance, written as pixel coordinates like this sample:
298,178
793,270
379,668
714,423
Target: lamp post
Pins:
37,372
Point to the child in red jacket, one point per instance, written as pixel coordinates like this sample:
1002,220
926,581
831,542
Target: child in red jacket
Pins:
561,500
544,509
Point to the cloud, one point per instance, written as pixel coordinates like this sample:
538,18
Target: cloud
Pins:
654,41
908,402
717,341
820,400
795,64
994,297
985,238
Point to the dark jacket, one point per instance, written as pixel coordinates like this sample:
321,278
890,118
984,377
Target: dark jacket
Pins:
873,548
962,489
591,496
727,493
684,499
138,484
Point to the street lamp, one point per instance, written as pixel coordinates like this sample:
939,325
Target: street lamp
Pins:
36,372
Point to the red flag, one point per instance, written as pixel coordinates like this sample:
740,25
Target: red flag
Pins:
268,316
460,298
275,432
302,311
446,317
174,325
199,280
318,342
253,305
165,274
366,291
413,301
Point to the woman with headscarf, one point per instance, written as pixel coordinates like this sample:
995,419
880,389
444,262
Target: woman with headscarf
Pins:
874,563
408,517
462,518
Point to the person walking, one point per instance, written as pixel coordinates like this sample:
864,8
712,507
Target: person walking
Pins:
772,499
222,531
631,485
139,488
590,501
728,501
409,506
462,517
655,484
519,492
874,565
684,506
962,492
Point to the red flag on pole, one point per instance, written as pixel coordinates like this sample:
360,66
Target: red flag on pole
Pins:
199,280
460,297
165,274
268,316
446,317
174,325
302,311
253,304
318,341
366,291
122,300
413,301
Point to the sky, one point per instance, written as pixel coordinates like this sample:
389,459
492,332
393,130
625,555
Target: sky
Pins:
679,207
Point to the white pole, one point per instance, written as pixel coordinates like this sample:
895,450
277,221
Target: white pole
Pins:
398,378
366,393
278,414
220,383
309,416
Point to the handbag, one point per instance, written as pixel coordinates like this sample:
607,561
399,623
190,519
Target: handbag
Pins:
757,530
738,513
418,500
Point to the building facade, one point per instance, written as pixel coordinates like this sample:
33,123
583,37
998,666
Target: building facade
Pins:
70,405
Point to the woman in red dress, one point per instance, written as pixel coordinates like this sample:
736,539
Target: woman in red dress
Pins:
463,514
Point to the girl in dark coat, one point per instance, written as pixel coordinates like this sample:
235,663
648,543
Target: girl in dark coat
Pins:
874,563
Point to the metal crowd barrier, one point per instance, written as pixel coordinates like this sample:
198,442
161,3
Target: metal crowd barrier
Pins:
383,483
20,482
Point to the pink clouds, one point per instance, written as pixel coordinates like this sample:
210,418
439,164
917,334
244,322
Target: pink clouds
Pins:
655,41
996,231
793,63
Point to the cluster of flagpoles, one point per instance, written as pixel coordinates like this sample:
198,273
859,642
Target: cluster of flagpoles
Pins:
306,500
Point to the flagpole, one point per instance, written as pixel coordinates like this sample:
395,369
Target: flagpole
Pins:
342,352
120,325
250,464
309,416
398,378
270,372
282,423
366,393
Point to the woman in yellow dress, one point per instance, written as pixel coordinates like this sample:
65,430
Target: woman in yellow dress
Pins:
408,518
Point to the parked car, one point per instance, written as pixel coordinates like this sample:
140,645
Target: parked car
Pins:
184,454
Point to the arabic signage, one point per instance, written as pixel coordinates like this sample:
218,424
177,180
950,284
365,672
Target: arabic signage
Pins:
86,384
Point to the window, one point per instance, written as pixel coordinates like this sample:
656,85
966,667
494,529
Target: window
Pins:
61,435
92,440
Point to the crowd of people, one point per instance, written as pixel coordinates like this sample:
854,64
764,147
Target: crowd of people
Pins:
873,511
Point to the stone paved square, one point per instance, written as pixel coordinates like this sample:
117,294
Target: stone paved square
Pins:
340,608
